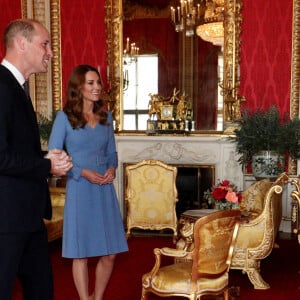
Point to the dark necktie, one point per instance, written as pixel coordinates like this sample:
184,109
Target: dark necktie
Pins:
26,89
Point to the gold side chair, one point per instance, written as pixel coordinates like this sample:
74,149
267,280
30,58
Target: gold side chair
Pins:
151,196
261,209
208,271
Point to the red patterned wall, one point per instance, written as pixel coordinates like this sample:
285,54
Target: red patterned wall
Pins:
9,10
83,36
266,53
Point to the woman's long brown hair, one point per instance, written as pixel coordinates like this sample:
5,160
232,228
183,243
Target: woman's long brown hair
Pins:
74,105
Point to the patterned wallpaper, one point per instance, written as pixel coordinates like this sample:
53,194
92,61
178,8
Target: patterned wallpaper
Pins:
83,36
9,10
266,53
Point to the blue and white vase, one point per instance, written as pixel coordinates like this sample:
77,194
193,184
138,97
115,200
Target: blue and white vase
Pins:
267,164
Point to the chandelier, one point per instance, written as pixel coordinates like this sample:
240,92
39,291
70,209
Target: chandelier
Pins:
186,16
131,51
212,32
205,17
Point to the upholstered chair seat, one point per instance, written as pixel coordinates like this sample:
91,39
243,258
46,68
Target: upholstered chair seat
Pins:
177,278
207,272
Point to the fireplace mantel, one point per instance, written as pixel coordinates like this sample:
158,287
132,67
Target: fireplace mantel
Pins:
190,150
187,150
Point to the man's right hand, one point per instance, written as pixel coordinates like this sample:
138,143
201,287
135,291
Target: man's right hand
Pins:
61,162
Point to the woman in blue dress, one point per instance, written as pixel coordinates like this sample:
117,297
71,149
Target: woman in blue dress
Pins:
93,224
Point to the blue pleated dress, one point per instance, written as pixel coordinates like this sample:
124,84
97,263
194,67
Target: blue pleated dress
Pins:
93,224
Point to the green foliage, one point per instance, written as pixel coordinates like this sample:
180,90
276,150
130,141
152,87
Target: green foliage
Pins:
291,138
45,125
264,130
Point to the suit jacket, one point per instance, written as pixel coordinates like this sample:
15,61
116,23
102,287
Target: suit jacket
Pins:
24,192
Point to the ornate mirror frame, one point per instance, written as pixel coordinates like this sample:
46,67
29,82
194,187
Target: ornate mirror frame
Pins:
295,73
295,66
231,82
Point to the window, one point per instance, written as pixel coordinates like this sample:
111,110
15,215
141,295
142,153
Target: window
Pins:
140,79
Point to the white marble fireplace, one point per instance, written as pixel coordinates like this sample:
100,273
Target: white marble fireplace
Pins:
189,150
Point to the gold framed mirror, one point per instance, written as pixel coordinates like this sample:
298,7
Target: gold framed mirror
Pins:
231,79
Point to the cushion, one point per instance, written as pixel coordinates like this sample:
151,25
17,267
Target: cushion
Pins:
252,203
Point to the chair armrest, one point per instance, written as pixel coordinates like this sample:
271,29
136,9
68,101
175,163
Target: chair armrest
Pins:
180,253
166,252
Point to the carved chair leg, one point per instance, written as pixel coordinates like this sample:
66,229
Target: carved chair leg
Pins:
256,279
226,297
144,294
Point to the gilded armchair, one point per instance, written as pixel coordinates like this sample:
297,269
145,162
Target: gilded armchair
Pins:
55,225
207,272
295,195
151,196
262,210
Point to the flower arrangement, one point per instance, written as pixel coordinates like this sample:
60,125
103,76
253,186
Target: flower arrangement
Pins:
223,196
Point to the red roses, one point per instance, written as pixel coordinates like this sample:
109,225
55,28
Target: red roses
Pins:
224,196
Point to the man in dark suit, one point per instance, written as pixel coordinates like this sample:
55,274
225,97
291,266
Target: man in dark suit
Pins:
24,193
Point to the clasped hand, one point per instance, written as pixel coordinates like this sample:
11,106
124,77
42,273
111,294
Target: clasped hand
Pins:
95,177
61,162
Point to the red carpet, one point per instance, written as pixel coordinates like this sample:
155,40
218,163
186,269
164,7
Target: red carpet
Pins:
280,270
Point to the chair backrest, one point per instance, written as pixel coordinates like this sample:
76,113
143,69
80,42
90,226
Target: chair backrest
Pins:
151,195
253,199
274,200
214,237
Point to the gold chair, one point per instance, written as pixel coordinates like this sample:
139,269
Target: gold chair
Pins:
295,195
207,272
151,196
55,225
261,214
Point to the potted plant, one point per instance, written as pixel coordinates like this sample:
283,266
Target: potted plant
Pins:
45,126
264,139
